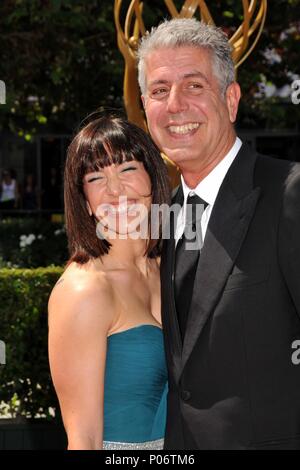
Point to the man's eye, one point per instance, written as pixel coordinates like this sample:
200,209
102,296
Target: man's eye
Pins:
159,92
195,86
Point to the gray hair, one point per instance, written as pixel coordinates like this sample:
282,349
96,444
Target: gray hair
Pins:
189,32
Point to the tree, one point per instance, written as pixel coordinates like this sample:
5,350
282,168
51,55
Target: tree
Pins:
60,61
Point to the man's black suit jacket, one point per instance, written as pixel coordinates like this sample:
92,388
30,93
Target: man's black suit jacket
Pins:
232,383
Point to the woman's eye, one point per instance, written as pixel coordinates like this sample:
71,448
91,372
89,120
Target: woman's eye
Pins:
129,168
95,178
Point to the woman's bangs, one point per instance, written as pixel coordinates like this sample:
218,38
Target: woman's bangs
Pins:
101,157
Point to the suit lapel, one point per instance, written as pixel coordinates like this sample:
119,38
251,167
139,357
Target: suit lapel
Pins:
228,225
169,314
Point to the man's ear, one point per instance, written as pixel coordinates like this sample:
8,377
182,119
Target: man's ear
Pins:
233,95
143,101
89,208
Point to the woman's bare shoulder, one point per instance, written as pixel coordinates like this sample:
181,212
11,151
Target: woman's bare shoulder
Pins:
80,290
80,279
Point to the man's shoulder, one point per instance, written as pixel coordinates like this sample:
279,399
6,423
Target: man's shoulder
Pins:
277,162
275,169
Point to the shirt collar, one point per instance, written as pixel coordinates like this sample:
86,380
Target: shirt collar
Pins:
209,187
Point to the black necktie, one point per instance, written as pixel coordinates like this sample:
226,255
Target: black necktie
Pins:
187,257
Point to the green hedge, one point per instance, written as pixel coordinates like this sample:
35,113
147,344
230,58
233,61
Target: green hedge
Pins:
25,382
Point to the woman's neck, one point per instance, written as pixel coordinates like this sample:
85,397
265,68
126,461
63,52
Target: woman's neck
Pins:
128,253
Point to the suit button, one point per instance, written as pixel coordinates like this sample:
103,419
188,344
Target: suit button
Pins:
185,395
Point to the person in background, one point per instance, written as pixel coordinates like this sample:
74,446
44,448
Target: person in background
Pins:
9,191
30,193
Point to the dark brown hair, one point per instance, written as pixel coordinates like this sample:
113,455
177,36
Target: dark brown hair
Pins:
102,142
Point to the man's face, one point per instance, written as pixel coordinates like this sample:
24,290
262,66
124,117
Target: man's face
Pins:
188,117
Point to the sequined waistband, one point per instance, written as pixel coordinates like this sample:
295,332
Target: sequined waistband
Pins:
149,445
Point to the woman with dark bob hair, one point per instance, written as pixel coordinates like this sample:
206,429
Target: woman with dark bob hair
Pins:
105,340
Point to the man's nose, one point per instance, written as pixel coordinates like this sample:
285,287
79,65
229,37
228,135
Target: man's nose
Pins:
176,101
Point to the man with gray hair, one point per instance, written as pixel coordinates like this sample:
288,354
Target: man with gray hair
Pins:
230,306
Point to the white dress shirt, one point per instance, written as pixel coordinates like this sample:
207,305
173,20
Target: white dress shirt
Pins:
207,189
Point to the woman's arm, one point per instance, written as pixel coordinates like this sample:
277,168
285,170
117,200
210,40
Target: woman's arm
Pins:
80,315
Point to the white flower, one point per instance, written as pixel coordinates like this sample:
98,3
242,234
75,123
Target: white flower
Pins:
51,411
272,56
26,240
30,238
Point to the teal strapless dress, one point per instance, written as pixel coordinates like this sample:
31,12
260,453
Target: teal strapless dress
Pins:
135,389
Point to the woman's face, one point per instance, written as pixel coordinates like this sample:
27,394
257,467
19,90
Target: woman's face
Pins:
119,196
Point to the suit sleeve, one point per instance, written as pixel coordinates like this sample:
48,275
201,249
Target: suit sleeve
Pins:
289,235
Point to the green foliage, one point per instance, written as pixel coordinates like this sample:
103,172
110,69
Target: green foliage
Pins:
31,243
26,386
281,35
60,61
